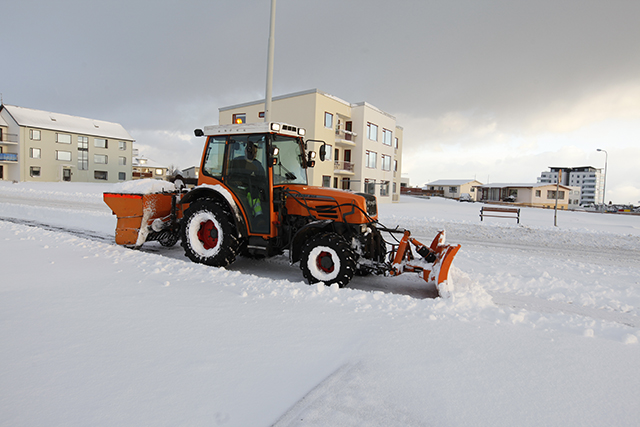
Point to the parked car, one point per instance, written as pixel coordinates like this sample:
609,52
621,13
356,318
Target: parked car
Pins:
465,197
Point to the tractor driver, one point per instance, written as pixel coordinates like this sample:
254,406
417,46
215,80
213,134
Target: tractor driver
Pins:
248,176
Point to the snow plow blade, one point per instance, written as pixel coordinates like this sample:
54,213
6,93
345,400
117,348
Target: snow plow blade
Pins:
434,265
143,217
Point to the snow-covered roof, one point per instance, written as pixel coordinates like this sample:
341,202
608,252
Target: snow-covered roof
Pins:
145,162
511,185
451,182
65,123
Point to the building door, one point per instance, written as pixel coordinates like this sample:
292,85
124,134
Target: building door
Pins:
66,174
347,159
1,173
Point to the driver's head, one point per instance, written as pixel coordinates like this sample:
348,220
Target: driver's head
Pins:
250,151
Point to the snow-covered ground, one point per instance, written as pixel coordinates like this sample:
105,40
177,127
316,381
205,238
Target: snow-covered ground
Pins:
543,329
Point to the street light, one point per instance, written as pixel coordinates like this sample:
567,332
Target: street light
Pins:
604,186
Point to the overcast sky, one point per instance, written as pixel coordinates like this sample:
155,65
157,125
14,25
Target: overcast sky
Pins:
493,90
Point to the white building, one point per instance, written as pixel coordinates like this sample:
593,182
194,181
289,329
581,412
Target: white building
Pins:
454,188
590,181
363,143
144,167
40,145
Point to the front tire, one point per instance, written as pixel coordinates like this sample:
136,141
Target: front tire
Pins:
208,234
327,258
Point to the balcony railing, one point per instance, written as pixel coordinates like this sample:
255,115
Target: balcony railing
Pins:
9,137
346,136
343,166
8,157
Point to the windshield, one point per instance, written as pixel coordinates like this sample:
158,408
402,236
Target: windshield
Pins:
288,167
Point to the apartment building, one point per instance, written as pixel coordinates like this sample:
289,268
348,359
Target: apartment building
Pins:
43,146
363,144
590,181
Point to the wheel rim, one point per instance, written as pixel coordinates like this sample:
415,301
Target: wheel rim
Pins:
208,234
324,262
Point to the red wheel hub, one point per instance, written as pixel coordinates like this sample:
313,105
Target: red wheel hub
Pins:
208,234
325,262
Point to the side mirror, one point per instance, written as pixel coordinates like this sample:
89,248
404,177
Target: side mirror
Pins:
198,132
323,152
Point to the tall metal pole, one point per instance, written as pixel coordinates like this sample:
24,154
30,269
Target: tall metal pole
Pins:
272,29
604,185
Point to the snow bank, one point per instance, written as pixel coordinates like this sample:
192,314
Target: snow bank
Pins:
143,186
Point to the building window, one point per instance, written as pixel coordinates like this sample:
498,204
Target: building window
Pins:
328,120
551,194
122,161
63,155
370,160
261,115
538,193
34,171
395,166
370,186
372,131
100,159
34,134
386,162
83,160
387,137
63,138
122,176
101,175
239,118
335,182
328,151
35,153
122,145
83,153
453,190
396,144
384,188
395,188
326,181
346,183
159,172
100,143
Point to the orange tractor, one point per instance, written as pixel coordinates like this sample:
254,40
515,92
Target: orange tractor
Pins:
252,199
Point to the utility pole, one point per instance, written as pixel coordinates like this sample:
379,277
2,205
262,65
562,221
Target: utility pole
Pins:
555,213
270,54
604,185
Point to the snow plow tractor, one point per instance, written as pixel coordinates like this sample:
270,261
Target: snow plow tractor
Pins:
252,199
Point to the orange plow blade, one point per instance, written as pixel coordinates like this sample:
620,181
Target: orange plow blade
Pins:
434,265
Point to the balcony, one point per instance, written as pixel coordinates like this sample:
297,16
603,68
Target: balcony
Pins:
9,157
343,168
9,139
346,138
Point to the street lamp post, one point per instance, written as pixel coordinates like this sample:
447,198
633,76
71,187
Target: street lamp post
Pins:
604,186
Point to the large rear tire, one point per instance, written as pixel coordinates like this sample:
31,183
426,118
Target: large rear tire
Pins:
327,258
208,234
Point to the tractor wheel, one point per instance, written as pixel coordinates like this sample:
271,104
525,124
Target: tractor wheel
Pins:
208,234
327,258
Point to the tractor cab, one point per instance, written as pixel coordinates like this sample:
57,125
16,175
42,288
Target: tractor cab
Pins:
249,160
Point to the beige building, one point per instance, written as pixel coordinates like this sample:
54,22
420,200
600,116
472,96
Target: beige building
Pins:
43,146
454,188
363,151
536,195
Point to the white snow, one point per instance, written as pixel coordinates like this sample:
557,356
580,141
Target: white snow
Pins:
543,329
143,186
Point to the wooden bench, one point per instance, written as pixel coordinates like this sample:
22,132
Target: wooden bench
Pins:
499,212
